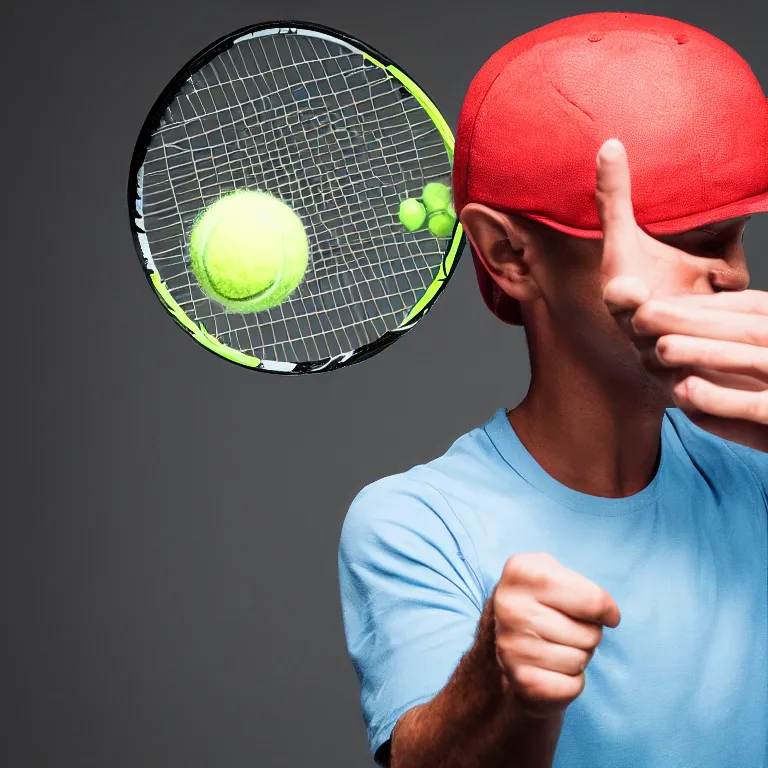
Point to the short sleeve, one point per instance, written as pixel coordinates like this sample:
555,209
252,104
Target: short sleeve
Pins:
410,598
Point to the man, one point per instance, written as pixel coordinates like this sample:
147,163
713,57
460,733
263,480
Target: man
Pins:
582,582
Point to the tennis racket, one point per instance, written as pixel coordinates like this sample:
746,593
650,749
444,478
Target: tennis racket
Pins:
330,127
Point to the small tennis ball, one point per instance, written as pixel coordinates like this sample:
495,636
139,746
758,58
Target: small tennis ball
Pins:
436,197
441,223
249,251
412,214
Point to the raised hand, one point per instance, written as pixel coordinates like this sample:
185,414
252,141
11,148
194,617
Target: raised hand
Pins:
715,345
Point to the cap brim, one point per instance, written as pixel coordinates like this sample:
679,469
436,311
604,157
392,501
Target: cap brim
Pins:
745,207
507,309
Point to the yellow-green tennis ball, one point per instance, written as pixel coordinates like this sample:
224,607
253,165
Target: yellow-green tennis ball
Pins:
441,223
249,251
412,214
436,197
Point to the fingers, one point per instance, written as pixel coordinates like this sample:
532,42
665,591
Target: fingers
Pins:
659,317
542,690
625,293
749,302
722,379
614,199
694,393
584,601
529,650
726,356
561,588
519,611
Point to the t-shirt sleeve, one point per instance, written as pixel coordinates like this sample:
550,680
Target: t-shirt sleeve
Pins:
411,601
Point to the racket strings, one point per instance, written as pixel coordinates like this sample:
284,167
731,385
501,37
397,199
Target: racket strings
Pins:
339,140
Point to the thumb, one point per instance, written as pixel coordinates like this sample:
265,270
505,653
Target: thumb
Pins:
614,201
611,616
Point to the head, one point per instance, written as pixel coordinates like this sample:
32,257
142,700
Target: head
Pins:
694,122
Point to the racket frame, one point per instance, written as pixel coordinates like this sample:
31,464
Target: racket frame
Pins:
455,242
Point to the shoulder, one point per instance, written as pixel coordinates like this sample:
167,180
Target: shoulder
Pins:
721,460
398,500
419,500
757,464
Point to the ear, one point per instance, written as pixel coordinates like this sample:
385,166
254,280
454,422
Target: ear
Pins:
504,245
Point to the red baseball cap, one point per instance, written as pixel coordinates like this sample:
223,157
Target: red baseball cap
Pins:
688,109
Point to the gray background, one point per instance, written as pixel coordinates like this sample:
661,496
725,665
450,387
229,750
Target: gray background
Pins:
171,521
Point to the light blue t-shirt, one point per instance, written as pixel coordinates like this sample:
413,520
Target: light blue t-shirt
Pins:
682,682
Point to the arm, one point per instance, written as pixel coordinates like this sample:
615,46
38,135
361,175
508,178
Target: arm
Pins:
473,722
466,681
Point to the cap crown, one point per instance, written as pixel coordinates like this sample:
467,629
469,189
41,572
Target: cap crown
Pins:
686,106
688,109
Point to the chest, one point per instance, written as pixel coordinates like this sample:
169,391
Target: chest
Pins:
683,679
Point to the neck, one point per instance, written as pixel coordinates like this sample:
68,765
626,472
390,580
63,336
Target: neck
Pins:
594,432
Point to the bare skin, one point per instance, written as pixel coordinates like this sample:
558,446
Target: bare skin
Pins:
618,329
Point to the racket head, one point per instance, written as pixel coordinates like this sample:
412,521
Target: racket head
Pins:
332,127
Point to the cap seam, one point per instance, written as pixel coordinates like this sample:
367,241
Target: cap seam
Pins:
543,69
674,47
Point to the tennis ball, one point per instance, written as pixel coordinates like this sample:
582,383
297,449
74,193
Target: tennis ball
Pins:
412,214
249,251
436,197
441,223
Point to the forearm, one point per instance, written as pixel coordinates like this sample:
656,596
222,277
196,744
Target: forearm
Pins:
473,722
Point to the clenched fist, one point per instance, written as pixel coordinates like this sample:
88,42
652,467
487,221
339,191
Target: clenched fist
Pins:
549,621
